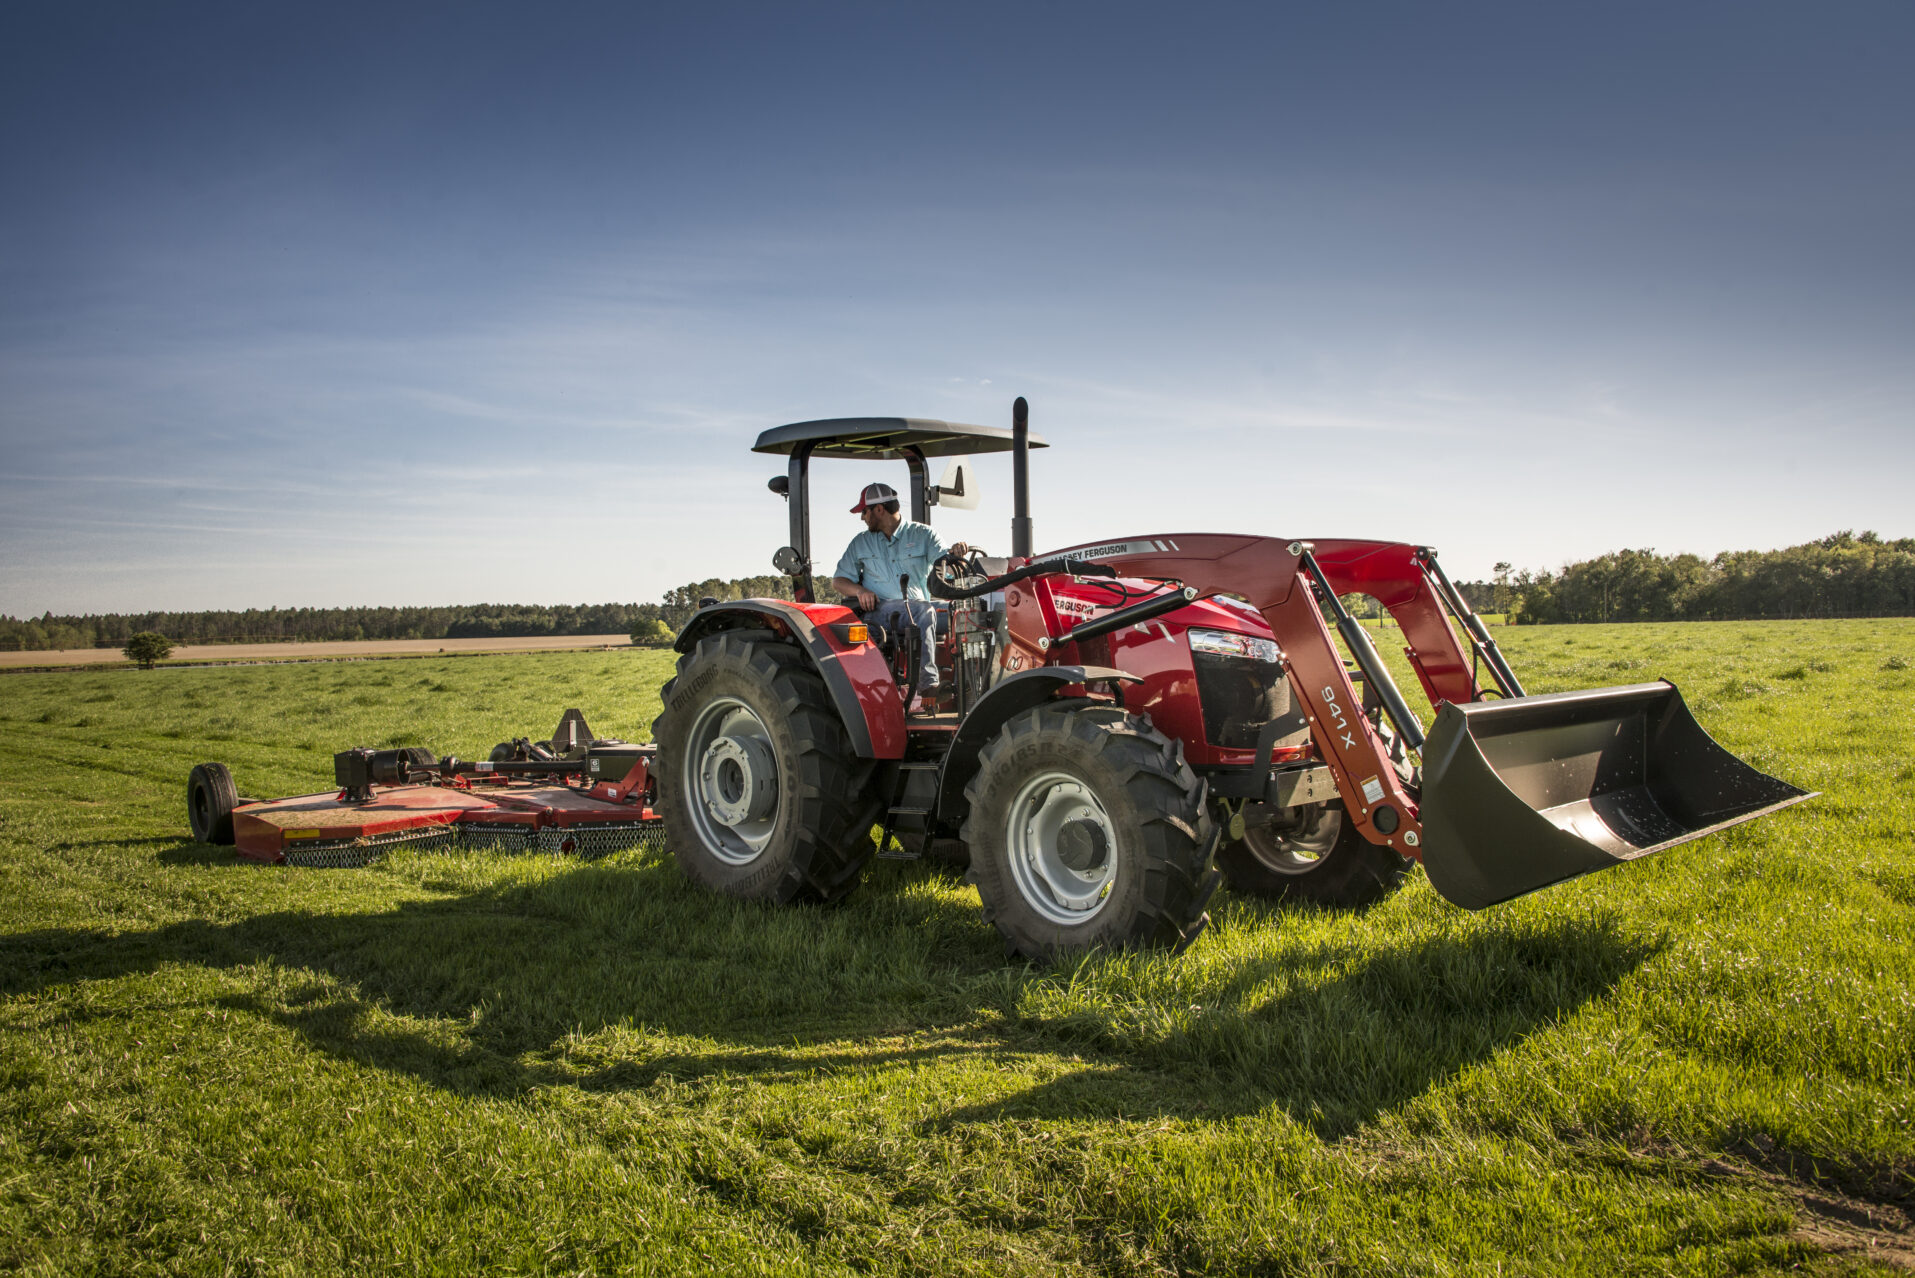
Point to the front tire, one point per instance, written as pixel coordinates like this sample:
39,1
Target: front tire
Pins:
1315,855
761,796
1087,829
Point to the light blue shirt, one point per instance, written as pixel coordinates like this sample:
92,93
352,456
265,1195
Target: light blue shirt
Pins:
908,552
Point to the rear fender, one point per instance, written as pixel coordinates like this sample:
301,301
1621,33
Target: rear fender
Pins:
856,674
1012,696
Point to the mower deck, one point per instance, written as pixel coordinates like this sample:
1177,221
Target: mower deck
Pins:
575,794
327,829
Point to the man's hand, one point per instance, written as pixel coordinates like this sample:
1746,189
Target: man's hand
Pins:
959,549
855,590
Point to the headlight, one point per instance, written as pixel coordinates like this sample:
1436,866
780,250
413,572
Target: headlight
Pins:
1225,643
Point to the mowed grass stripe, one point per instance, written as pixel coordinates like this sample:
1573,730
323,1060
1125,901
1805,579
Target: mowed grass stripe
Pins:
1700,1063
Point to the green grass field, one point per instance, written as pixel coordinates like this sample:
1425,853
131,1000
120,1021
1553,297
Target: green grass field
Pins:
1701,1063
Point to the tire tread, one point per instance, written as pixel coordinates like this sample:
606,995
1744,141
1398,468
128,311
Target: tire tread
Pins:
832,841
1177,881
222,796
1352,875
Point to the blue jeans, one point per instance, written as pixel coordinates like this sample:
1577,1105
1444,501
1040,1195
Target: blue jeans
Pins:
896,614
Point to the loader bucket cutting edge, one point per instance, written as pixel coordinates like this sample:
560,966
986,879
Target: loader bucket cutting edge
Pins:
1526,792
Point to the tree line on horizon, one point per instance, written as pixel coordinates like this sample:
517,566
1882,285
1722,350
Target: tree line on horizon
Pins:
324,625
644,622
1845,574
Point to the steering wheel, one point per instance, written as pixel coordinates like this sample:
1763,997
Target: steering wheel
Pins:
948,572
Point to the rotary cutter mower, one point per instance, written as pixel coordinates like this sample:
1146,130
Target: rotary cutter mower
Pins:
576,794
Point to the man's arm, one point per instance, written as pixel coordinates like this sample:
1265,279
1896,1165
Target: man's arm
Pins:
849,586
935,548
852,590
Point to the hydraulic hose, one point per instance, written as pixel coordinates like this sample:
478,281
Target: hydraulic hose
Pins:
1075,567
1110,621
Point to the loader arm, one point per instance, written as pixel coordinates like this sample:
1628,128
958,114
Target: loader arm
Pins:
1269,575
1515,794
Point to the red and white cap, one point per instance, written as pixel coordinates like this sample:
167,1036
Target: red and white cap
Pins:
874,495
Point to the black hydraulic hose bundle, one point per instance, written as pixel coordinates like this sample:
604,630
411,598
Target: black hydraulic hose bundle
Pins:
1176,596
1075,567
1113,621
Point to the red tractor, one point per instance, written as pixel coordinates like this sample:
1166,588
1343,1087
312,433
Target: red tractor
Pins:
1119,717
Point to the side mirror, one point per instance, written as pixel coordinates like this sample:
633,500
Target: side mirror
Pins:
780,484
957,487
788,561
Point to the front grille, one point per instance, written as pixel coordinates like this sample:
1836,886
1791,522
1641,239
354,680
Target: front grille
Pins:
1239,695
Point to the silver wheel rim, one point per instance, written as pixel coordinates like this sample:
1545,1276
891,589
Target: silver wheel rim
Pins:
1056,819
730,775
1297,853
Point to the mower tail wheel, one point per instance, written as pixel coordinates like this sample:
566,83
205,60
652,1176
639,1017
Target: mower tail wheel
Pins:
1313,855
1088,829
761,795
210,800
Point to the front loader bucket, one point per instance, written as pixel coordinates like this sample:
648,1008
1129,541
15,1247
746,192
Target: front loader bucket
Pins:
1522,793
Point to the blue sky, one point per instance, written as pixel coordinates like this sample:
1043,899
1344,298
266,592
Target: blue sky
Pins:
335,304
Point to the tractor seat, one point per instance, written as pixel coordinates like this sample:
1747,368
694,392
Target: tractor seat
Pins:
940,609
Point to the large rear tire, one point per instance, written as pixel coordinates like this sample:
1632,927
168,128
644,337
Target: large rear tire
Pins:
1315,856
210,800
1088,829
761,796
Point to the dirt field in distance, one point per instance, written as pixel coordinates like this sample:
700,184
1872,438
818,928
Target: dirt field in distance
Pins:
312,651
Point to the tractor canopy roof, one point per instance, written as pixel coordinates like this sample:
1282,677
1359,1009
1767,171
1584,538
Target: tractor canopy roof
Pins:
885,438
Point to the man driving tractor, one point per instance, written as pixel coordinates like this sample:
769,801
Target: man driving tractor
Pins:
890,549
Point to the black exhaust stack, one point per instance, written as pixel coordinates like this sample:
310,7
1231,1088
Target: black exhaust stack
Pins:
1020,479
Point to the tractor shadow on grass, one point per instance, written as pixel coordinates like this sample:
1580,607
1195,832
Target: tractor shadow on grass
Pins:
1334,1035
500,990
491,990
